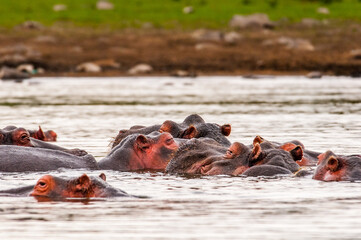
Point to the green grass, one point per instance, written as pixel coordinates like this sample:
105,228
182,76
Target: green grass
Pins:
168,13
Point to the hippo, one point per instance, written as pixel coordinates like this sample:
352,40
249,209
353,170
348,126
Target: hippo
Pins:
201,156
193,126
46,136
12,135
332,167
141,152
23,159
51,188
309,157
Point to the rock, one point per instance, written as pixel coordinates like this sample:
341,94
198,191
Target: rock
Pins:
232,37
45,39
107,63
12,74
206,46
88,67
59,7
31,25
314,75
310,22
257,20
183,73
140,69
291,44
13,59
188,10
104,5
323,10
355,54
26,68
207,35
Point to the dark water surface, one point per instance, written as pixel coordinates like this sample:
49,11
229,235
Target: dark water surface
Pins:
86,113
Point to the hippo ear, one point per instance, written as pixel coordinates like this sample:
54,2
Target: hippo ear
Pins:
297,153
166,126
234,150
226,129
83,182
40,134
102,176
190,132
256,151
142,142
258,139
333,163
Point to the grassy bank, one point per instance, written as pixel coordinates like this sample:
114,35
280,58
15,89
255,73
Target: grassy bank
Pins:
168,13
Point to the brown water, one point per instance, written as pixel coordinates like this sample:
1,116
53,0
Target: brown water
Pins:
86,113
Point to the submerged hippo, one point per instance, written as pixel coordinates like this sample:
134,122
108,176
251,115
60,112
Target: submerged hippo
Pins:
141,152
46,136
332,167
193,126
12,135
22,159
200,156
51,188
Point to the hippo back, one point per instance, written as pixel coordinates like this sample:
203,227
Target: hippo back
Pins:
23,159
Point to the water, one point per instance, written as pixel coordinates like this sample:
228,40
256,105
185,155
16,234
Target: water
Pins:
87,113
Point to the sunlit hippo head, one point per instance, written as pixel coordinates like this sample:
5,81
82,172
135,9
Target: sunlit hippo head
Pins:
51,188
141,152
332,167
15,136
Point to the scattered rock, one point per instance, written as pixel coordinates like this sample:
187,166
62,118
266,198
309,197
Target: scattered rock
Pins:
104,5
140,69
257,20
323,10
26,68
45,39
59,7
12,74
291,44
88,67
107,63
188,10
355,54
206,46
31,25
232,37
314,75
310,22
207,35
183,73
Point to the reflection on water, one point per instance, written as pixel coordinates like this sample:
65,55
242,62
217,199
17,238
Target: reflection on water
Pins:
87,113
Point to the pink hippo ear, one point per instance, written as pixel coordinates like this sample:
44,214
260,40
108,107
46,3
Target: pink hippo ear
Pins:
256,152
258,139
297,153
83,183
190,132
166,126
226,129
142,142
233,151
333,163
102,176
40,134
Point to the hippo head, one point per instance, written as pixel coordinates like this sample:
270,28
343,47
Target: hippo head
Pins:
15,136
48,136
207,157
50,188
332,167
198,130
295,150
141,152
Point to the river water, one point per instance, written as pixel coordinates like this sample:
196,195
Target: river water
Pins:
88,112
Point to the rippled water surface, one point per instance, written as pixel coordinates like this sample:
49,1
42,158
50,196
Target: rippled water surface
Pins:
88,112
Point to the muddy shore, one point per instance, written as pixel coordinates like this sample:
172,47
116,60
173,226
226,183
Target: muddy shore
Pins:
296,49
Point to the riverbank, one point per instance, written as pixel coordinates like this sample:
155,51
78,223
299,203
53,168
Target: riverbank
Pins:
329,47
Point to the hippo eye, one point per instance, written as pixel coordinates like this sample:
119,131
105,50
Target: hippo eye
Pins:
229,152
24,136
42,184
